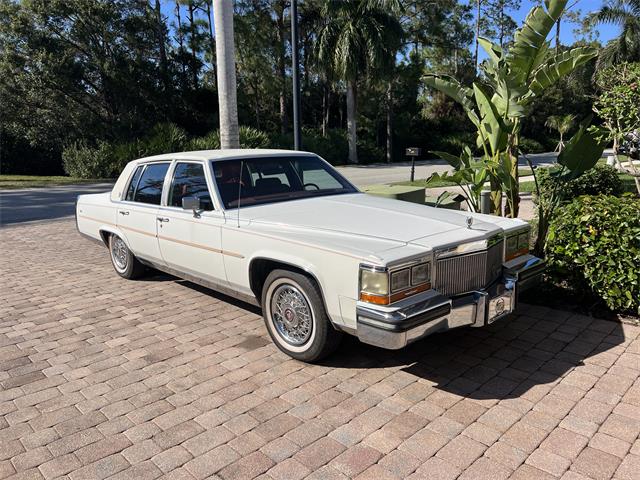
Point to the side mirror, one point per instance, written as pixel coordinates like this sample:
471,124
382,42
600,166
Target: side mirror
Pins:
191,203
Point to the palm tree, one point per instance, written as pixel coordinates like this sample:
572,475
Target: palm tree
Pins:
562,124
357,37
226,62
625,48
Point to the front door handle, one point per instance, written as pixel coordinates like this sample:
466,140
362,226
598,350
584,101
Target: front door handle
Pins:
124,212
163,219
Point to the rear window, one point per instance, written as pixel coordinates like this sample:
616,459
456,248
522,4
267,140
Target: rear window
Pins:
149,189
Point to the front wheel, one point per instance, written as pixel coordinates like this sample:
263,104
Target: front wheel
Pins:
124,262
295,316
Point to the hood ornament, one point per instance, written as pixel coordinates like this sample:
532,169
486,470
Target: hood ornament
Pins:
469,222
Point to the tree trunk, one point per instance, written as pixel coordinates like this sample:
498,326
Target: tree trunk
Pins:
161,45
351,121
281,34
390,122
181,44
212,40
325,109
226,59
192,45
475,55
558,36
496,198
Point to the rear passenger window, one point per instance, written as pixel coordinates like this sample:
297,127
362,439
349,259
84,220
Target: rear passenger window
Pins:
150,185
134,183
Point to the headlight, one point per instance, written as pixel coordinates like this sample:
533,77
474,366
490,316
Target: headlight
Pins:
400,280
374,282
517,244
385,286
421,273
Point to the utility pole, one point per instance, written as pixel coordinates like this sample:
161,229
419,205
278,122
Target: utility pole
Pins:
297,144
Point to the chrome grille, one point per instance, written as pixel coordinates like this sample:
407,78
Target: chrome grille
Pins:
467,272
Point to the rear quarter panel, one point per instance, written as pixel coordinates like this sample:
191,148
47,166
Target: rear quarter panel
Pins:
95,212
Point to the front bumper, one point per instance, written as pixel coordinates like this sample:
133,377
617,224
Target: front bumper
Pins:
429,312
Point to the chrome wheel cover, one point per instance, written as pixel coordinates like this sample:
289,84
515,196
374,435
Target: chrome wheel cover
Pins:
291,314
119,253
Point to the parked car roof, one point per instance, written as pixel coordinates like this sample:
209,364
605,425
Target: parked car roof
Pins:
224,154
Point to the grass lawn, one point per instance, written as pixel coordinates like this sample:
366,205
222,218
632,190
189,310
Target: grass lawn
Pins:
31,181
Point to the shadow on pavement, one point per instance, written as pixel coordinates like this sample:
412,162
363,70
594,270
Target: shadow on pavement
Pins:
504,360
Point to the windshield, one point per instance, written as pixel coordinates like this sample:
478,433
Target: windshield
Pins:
260,180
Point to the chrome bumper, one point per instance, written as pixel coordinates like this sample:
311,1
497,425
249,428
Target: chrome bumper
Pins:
429,312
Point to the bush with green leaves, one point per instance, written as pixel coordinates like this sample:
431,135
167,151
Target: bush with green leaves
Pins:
529,145
249,138
594,242
601,179
83,161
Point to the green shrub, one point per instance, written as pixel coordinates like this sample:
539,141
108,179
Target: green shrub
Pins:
83,161
334,148
594,241
601,179
529,145
249,138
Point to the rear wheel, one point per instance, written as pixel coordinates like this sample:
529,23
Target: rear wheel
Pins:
124,262
295,316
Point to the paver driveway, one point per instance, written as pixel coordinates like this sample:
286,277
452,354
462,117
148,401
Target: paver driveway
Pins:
104,377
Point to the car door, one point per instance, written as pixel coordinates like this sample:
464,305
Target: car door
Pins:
190,242
138,211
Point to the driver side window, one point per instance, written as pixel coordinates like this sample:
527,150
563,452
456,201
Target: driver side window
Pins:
189,181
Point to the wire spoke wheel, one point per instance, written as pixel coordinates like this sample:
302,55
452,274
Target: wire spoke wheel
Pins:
119,253
291,315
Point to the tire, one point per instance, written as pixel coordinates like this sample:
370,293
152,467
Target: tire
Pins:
124,262
295,316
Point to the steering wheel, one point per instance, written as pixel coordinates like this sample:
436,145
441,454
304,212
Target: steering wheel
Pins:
311,185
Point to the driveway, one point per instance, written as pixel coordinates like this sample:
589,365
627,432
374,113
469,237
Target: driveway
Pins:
106,378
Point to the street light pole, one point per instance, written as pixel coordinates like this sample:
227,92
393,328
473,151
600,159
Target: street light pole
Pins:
297,144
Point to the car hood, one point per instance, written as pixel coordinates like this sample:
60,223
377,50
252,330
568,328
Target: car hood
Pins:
395,222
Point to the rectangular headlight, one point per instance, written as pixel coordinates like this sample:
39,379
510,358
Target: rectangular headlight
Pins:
400,280
517,244
374,282
420,274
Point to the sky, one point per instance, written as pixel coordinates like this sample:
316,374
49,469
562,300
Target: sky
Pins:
605,32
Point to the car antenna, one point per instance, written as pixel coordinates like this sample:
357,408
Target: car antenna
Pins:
240,189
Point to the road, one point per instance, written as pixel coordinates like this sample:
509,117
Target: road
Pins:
32,204
29,204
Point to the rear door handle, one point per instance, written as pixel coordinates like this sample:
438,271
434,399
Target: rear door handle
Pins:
124,212
161,219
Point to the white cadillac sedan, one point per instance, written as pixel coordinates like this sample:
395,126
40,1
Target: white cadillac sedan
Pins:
285,231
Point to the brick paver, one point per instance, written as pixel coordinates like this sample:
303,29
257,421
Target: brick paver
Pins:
102,377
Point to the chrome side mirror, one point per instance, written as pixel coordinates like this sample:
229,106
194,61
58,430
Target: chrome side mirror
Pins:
191,203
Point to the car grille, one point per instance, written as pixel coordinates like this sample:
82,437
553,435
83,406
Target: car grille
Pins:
467,272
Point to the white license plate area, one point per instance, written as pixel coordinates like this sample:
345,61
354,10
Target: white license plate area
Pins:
499,306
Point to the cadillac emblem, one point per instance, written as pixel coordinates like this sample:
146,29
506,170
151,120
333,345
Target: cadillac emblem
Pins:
499,306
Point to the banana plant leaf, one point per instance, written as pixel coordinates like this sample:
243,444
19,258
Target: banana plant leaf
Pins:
454,89
494,51
492,126
582,151
528,41
558,66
